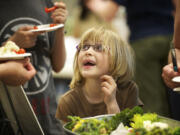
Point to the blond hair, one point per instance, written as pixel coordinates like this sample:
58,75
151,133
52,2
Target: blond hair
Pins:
121,55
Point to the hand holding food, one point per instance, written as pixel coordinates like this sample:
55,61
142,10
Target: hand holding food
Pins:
24,38
48,10
168,74
60,13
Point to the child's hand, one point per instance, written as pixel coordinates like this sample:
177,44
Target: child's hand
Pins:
59,15
108,86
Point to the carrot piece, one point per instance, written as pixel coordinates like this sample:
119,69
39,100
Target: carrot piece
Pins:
48,10
35,27
52,25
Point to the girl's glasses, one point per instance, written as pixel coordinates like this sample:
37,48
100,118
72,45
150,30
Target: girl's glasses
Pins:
97,47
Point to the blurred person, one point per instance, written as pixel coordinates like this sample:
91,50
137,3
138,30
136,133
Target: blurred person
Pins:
151,27
48,52
168,71
102,81
85,19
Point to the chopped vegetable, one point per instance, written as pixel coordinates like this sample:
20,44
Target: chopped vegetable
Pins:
74,120
176,131
125,117
10,48
35,27
138,119
48,10
52,25
88,126
20,51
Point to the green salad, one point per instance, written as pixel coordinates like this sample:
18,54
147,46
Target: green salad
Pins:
127,122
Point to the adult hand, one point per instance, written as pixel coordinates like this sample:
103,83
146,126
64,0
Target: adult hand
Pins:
16,72
24,38
59,15
168,71
167,75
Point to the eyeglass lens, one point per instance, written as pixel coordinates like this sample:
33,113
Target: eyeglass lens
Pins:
97,48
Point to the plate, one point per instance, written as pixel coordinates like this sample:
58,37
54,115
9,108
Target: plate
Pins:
176,89
176,79
14,57
47,28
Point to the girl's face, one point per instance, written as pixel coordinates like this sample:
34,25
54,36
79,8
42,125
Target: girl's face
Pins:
93,61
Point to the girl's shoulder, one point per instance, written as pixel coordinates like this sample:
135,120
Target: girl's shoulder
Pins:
71,94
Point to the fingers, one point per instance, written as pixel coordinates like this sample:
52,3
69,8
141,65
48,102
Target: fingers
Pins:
108,78
59,20
167,75
26,39
60,14
108,84
29,66
60,5
168,72
29,70
25,28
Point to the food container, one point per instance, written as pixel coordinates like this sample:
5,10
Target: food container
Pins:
171,122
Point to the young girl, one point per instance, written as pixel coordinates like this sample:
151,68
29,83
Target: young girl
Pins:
103,69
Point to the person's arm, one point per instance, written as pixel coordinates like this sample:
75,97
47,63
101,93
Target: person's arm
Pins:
105,9
58,52
176,37
168,72
16,72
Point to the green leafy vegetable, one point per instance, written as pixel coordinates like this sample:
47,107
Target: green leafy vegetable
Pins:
138,119
74,120
125,117
176,131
